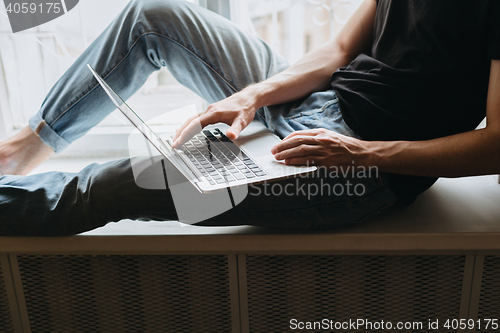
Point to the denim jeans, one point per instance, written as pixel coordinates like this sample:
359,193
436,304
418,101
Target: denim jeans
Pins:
212,57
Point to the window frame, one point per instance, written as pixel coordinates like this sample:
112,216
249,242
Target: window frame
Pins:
6,121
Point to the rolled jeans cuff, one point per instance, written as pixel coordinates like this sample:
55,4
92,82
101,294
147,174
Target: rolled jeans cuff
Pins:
47,134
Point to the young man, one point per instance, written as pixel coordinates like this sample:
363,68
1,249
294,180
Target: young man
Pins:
411,81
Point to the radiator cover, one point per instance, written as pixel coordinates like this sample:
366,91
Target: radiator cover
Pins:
5,313
314,287
126,293
489,301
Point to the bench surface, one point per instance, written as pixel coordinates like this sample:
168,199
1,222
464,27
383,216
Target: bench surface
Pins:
454,215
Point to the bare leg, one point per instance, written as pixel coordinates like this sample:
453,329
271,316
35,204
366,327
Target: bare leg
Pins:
23,152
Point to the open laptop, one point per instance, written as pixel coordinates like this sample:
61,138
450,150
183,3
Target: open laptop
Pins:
210,160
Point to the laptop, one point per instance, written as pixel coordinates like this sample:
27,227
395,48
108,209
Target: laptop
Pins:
210,161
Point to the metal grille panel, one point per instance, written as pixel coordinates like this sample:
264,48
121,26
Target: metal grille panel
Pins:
6,324
126,293
391,288
489,301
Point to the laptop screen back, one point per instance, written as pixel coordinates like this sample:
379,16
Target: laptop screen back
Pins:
133,117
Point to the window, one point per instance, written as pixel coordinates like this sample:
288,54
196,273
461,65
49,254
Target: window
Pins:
32,61
294,27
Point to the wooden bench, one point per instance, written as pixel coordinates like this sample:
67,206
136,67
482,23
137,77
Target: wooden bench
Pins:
437,259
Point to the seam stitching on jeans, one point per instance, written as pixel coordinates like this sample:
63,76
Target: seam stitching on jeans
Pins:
104,77
128,53
271,65
199,58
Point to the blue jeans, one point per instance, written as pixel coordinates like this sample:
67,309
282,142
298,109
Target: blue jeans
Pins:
212,57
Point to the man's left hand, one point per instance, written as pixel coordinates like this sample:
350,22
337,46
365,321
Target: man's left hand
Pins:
320,147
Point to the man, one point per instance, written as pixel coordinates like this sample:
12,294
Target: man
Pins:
411,80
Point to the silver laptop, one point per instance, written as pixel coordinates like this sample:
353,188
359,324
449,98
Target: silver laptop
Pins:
210,160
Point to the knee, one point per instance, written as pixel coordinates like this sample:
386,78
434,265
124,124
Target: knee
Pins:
151,8
153,15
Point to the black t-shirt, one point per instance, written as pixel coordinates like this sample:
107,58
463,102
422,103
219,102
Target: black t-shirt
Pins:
425,77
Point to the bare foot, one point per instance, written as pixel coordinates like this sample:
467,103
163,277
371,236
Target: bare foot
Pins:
22,153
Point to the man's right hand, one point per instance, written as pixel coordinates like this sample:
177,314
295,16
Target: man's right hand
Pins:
237,111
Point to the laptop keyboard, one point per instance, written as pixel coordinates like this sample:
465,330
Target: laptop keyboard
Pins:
218,159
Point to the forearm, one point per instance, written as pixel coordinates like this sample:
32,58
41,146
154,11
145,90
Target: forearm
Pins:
311,73
466,154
